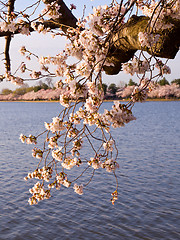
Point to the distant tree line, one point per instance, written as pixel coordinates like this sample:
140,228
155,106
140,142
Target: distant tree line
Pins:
25,88
164,89
112,89
46,90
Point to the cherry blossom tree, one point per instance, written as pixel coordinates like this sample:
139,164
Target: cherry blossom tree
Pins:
128,35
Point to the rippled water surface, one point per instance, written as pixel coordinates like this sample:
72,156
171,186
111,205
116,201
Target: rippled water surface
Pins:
149,184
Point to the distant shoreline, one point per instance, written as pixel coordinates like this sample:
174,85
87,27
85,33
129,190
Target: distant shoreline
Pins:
109,100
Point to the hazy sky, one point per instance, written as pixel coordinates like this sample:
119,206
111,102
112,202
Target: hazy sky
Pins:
45,45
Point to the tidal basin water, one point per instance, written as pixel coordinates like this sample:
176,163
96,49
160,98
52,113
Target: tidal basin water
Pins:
149,180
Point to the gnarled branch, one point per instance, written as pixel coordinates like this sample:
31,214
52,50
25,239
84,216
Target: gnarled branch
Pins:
125,42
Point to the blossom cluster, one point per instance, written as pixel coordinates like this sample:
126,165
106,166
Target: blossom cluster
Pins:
37,153
53,141
21,26
57,154
95,163
110,165
108,146
70,162
61,179
44,173
28,140
77,145
119,115
140,93
114,196
57,125
51,10
159,13
38,193
163,68
103,18
136,66
15,80
78,189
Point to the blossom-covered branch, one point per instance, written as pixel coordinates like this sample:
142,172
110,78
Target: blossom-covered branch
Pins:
106,40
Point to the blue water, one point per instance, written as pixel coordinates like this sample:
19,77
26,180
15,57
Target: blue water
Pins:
149,184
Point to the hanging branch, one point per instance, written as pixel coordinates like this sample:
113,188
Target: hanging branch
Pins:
114,37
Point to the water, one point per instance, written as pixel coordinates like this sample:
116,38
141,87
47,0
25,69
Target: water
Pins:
149,185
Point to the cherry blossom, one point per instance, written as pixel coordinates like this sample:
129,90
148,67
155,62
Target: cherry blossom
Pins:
78,69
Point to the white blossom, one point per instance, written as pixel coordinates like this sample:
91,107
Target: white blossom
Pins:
78,189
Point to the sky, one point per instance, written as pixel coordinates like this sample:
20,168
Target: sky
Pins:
45,45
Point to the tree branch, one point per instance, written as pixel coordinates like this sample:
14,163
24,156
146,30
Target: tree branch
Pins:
8,38
6,53
66,17
125,42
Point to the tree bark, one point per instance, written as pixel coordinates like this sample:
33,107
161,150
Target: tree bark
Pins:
125,42
66,18
10,9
